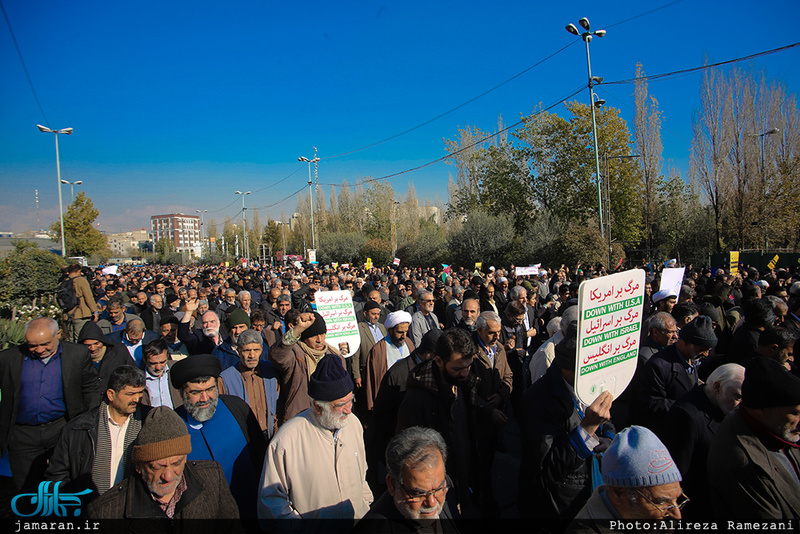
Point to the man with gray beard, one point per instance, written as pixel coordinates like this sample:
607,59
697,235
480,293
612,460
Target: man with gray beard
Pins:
416,486
316,465
226,432
754,461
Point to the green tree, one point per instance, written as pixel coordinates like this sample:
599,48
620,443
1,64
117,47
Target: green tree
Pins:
380,250
80,236
482,238
28,272
429,249
341,247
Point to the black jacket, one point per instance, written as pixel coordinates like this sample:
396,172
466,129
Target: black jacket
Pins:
664,380
116,354
73,458
78,376
383,516
196,342
555,474
689,431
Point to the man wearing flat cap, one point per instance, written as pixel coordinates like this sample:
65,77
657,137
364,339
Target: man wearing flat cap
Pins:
754,461
295,358
227,352
226,432
395,346
316,465
640,481
671,373
166,486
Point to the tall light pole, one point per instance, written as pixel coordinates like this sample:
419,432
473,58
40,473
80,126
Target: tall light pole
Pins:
72,187
313,160
66,131
202,236
761,137
244,223
593,80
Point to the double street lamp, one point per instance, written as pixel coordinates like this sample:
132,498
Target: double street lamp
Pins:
587,36
66,131
313,160
246,254
72,187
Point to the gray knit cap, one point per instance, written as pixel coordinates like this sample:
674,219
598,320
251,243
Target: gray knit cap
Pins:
163,435
637,459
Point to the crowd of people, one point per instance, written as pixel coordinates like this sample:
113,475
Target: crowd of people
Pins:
210,397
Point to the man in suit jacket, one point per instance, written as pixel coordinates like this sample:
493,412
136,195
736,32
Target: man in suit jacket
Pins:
670,374
33,409
371,331
159,390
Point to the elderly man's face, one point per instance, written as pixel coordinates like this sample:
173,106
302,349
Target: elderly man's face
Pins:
210,324
374,296
729,394
470,310
116,313
783,421
230,297
421,492
250,354
284,307
236,330
334,415
373,315
156,301
169,331
316,342
200,399
665,336
163,476
244,301
490,334
134,337
649,502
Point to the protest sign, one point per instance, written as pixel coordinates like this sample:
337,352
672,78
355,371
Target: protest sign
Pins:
734,262
672,279
609,324
531,270
111,269
774,262
336,307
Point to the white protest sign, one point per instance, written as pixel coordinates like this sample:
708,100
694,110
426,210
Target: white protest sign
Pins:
609,324
531,270
672,279
111,269
336,307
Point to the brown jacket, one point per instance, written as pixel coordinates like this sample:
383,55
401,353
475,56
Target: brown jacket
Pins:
497,379
376,368
128,506
86,304
361,356
290,364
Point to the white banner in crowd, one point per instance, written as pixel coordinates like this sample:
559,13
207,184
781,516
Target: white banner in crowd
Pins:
336,307
672,279
609,324
531,270
111,269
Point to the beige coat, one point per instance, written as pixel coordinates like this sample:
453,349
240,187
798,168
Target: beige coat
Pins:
86,304
310,475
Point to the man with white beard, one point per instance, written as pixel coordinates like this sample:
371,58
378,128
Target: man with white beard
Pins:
226,432
200,340
754,461
316,465
690,427
416,486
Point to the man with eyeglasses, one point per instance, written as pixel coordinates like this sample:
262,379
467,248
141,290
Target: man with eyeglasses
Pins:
424,319
641,481
416,486
316,465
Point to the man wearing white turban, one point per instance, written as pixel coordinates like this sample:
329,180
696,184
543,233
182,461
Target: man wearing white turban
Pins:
388,351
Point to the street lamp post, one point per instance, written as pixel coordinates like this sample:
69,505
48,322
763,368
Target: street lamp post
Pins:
761,137
244,223
72,187
593,80
67,131
313,160
202,236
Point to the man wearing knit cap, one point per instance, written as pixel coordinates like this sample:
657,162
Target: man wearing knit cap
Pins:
295,358
640,481
221,427
671,373
754,461
316,464
391,349
166,485
561,438
237,322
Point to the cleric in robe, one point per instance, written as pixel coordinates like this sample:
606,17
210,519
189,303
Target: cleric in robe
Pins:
226,432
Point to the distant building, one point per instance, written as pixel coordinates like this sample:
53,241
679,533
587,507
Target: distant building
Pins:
121,243
430,213
182,230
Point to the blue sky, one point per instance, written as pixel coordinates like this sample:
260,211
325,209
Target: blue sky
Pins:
175,105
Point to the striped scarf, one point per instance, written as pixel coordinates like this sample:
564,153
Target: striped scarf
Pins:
101,469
